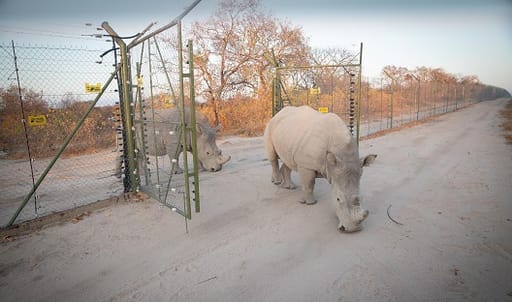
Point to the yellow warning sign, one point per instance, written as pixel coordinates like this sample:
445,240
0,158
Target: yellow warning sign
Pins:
314,91
36,120
140,82
93,88
323,109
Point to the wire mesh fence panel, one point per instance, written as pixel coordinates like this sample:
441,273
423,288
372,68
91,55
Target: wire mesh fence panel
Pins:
324,88
387,104
41,103
165,172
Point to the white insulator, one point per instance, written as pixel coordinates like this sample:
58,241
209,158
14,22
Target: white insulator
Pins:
173,190
171,132
174,160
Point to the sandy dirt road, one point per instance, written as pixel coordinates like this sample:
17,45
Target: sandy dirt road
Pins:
449,182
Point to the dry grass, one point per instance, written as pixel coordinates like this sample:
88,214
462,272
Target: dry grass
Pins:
507,123
243,117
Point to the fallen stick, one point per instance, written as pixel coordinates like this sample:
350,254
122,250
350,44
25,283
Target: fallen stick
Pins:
204,281
392,217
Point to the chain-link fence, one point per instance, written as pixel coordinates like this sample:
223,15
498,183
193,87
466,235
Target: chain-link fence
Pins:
387,104
44,92
371,105
326,88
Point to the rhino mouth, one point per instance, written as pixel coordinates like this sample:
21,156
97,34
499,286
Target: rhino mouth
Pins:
353,226
350,229
344,229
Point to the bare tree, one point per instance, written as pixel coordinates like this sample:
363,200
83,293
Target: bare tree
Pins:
231,47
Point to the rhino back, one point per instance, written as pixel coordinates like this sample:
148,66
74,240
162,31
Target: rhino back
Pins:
173,116
302,136
166,125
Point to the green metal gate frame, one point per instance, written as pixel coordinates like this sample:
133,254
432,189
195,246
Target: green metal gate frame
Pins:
130,150
185,131
123,74
355,104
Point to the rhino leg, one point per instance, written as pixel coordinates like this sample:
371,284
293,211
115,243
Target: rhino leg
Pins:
175,166
118,169
307,178
277,178
178,169
286,172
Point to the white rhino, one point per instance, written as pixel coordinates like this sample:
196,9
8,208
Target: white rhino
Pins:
163,140
318,145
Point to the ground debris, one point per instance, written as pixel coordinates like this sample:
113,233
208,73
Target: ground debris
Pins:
399,223
8,238
204,281
76,219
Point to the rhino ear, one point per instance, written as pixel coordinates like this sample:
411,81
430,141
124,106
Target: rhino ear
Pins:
199,128
331,159
368,160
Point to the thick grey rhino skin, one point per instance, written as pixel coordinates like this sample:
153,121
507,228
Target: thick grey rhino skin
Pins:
318,145
163,138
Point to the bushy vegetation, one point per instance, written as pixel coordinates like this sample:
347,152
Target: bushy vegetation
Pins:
96,132
507,122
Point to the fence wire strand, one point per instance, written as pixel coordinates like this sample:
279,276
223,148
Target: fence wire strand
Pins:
53,81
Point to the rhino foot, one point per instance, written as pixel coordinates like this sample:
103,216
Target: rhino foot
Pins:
308,201
289,186
277,180
178,170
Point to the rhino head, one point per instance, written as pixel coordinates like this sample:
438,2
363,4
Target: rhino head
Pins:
344,176
209,155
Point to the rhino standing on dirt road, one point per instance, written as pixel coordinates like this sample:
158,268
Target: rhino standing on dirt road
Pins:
160,142
318,145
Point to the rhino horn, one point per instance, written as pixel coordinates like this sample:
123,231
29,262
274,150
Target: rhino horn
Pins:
362,215
224,159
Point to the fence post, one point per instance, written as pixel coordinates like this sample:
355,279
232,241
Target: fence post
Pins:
390,105
358,121
127,112
417,97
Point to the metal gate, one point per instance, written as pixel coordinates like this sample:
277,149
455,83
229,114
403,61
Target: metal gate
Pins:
135,117
157,111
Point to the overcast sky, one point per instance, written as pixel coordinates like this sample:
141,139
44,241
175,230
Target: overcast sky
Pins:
461,36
